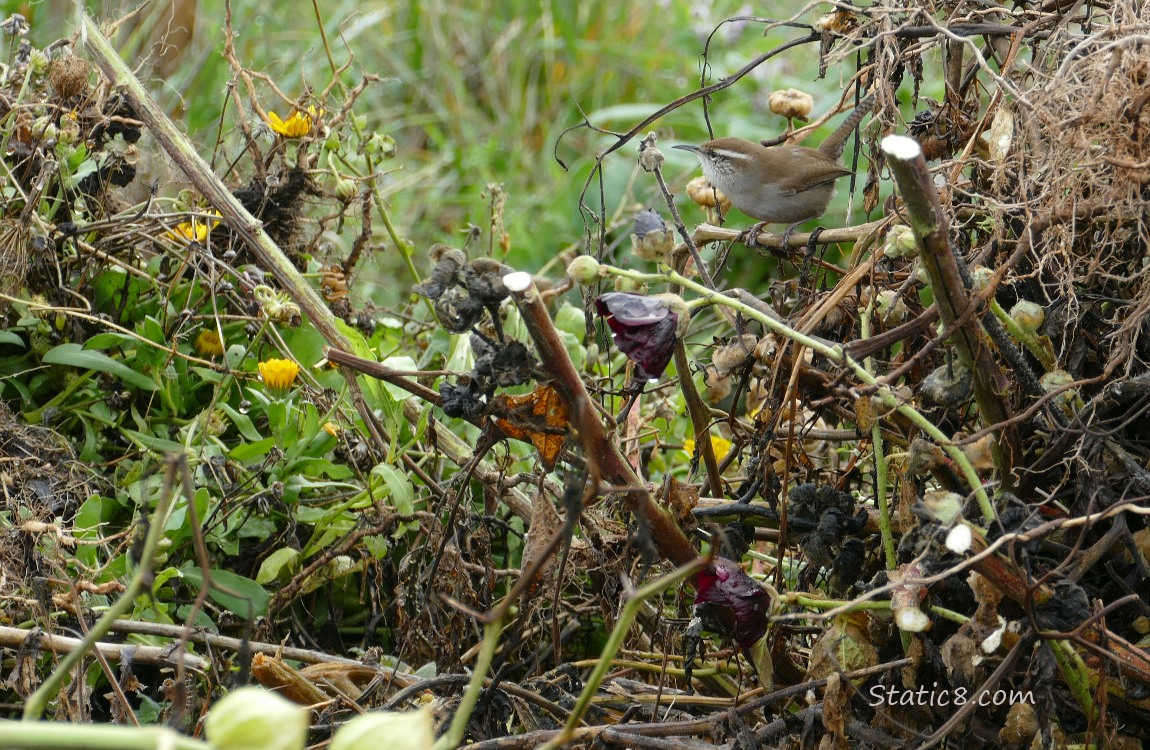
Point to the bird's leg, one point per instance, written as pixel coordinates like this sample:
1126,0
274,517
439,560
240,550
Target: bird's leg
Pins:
809,256
789,231
749,237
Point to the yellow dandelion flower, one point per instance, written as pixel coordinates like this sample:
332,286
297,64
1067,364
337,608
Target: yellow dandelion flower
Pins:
278,375
208,343
720,445
331,428
297,125
197,229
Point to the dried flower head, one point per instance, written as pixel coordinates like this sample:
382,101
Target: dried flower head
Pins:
650,157
702,192
68,76
791,103
726,585
651,239
645,328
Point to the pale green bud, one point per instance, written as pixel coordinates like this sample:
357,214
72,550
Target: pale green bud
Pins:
387,730
252,717
584,270
980,275
900,242
1028,315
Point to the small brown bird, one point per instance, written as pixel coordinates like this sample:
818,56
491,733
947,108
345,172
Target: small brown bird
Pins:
778,184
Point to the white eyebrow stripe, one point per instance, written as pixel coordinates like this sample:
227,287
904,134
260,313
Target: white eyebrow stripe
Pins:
733,155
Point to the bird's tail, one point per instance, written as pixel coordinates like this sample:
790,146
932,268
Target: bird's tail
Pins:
833,145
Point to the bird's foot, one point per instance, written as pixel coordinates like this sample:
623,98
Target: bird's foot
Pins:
787,234
809,256
750,237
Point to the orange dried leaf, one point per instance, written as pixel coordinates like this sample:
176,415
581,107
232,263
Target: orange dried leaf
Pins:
539,418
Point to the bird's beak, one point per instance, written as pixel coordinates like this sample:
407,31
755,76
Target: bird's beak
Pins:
687,147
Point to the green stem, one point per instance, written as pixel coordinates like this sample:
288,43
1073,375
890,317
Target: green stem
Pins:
23,734
454,735
1042,352
1077,676
34,706
880,470
812,602
614,643
880,467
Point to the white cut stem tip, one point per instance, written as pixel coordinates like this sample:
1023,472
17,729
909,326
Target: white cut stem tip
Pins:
517,281
960,539
900,147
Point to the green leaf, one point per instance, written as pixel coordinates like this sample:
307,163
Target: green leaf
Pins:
239,594
107,340
252,451
276,562
151,442
402,492
13,339
153,330
359,345
372,388
242,422
398,363
74,355
761,657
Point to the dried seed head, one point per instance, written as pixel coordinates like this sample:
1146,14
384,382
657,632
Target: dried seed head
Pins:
948,385
652,238
702,192
838,22
791,103
734,355
68,76
650,157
